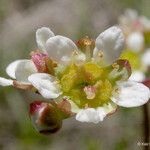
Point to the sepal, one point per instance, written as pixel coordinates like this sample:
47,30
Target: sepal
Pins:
147,82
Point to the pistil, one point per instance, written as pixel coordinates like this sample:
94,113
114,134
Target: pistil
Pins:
90,92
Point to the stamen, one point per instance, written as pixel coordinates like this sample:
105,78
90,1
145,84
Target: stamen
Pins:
100,54
86,45
87,41
115,65
75,53
116,91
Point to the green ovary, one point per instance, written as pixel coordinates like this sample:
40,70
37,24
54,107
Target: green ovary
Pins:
134,59
75,78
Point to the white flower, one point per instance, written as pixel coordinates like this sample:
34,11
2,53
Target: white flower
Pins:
136,29
110,44
108,48
135,41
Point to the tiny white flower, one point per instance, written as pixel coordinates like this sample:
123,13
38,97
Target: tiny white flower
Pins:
136,28
135,41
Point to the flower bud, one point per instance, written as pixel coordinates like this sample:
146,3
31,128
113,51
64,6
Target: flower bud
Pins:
44,117
47,117
42,62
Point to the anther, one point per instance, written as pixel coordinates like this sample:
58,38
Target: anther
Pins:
100,54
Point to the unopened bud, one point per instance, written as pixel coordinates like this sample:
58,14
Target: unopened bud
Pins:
42,62
45,117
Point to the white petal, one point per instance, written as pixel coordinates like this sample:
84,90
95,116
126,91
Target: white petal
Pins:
59,47
11,68
88,115
146,58
131,94
42,35
137,76
45,84
135,41
24,69
95,115
110,43
5,82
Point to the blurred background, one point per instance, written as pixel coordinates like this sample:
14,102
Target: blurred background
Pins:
19,20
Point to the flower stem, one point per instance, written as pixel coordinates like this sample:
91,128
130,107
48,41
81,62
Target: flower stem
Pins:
146,126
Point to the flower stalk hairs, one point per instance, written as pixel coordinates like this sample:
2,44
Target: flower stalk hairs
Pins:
86,80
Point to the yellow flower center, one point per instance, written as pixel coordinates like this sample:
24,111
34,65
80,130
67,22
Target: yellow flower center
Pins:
86,85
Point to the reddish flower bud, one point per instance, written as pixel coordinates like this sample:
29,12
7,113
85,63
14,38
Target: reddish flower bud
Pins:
42,62
45,117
